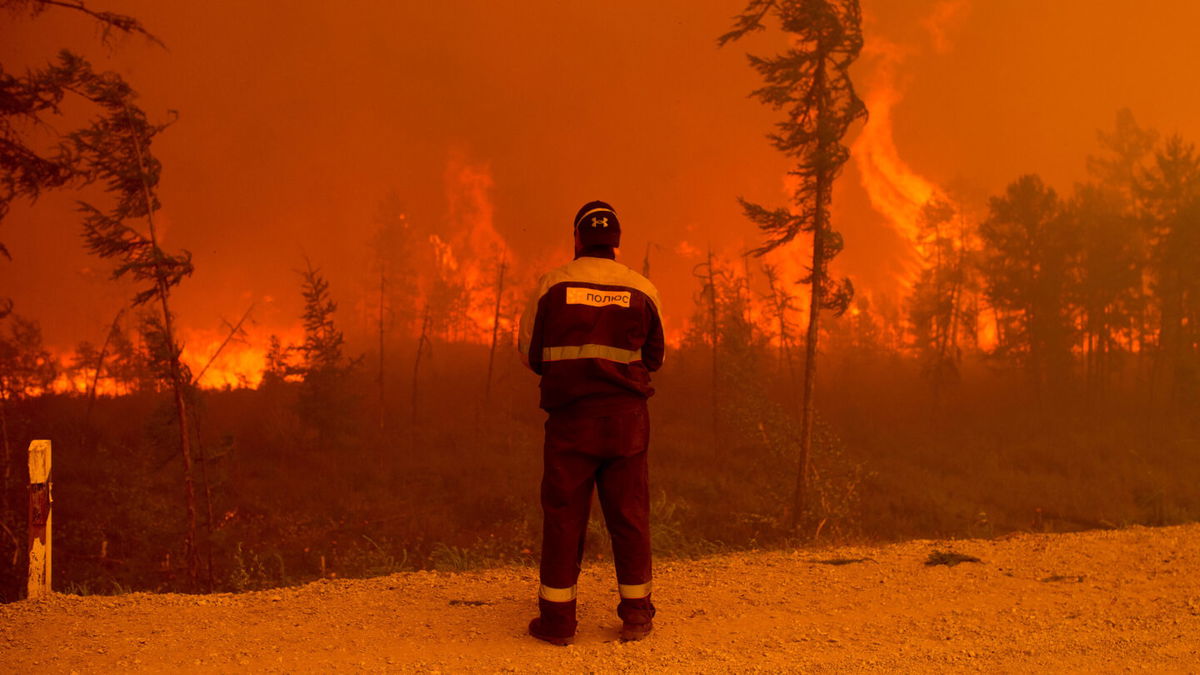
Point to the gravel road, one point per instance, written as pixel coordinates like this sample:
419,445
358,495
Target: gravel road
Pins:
1092,601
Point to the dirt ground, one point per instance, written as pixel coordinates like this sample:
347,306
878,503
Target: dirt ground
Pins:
1093,601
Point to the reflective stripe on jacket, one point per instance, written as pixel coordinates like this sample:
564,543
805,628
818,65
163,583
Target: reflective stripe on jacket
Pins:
593,331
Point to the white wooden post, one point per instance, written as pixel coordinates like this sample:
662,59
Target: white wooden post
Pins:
39,519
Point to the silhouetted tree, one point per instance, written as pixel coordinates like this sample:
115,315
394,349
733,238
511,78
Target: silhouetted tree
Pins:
115,149
1028,249
276,368
26,103
1121,166
501,269
443,310
811,82
128,368
87,358
780,304
423,346
1119,171
26,369
936,308
109,22
119,362
392,251
325,395
447,298
1170,193
720,322
1107,283
705,328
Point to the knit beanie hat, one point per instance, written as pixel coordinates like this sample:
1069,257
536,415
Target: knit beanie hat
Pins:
597,225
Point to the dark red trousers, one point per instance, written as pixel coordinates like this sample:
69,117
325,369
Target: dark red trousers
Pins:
607,451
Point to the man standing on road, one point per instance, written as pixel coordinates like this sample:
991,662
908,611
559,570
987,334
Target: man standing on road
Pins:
594,333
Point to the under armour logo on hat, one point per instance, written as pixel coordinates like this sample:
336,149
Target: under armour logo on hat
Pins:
597,225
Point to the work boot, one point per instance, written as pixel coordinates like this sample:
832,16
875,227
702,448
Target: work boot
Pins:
637,615
556,624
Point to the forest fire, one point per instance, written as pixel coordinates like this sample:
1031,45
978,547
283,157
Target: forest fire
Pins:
925,269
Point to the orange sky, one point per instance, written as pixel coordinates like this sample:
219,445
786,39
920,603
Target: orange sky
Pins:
296,119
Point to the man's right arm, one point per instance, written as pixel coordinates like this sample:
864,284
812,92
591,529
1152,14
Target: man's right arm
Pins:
529,337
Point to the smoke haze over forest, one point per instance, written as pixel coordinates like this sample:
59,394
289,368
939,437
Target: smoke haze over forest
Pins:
296,122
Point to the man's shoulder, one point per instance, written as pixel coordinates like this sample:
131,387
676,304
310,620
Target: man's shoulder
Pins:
601,271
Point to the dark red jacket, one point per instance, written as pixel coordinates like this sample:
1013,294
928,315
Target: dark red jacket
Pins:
593,331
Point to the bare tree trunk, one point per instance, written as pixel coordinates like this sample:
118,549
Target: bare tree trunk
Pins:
780,301
1000,338
421,341
185,438
91,394
379,375
785,345
487,390
713,331
7,461
220,348
956,290
939,320
746,284
208,544
207,500
800,497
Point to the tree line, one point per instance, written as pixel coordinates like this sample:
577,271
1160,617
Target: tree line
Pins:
1085,292
1095,293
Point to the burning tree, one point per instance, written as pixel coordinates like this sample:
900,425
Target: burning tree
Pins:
811,82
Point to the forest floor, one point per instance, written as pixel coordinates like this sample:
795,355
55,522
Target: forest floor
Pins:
1087,602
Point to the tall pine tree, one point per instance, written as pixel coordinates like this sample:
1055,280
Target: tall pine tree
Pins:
811,83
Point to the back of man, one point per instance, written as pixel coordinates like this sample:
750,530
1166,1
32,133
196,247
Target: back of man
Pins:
594,333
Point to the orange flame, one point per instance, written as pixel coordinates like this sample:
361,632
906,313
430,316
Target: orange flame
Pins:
896,191
894,188
240,364
475,249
